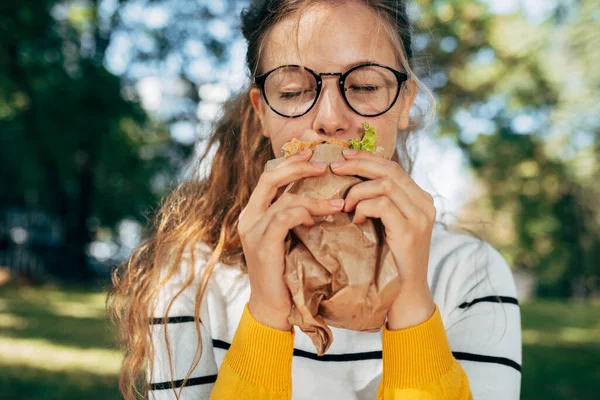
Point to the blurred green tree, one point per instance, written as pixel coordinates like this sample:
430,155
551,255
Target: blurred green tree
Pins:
71,145
520,95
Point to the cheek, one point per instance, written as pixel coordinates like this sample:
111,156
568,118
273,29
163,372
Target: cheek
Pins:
387,131
389,144
280,131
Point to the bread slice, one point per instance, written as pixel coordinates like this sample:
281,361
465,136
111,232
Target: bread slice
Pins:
296,146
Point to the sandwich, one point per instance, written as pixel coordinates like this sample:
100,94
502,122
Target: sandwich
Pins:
366,143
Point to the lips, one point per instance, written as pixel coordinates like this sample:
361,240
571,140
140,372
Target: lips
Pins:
312,136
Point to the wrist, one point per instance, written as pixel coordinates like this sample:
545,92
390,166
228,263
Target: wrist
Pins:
412,307
273,318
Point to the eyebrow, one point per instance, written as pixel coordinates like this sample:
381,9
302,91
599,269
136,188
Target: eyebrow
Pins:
345,67
360,62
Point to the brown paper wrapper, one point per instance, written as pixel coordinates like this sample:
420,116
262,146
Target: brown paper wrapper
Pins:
339,273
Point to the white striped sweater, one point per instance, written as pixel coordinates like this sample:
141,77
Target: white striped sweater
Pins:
471,284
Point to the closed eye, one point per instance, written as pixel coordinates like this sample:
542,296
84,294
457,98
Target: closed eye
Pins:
291,95
364,88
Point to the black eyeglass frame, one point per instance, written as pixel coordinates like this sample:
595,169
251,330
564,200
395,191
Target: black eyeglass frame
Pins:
401,77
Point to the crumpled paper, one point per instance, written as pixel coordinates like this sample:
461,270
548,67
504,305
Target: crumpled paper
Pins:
339,273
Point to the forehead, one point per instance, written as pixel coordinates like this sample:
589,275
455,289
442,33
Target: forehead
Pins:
329,38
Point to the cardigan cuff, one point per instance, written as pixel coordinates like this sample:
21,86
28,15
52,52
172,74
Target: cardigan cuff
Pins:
262,355
417,355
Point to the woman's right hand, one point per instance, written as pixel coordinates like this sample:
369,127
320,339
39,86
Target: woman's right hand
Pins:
263,227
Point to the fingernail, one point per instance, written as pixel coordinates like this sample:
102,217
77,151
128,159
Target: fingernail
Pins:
349,152
318,164
336,202
304,152
337,164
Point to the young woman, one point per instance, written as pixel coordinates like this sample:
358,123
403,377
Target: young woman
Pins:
203,305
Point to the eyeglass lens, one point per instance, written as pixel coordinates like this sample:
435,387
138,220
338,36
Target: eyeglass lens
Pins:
369,90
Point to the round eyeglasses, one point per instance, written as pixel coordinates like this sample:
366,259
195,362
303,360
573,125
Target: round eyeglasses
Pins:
368,89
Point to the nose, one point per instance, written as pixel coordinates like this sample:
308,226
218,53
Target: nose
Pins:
331,112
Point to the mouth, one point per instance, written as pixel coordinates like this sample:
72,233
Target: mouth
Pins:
312,136
311,139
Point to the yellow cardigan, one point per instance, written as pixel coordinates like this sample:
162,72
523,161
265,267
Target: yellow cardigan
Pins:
417,364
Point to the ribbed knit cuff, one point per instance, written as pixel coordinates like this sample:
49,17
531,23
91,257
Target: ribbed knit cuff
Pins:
262,355
417,355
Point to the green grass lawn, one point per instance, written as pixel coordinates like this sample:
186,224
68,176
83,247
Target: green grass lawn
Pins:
57,345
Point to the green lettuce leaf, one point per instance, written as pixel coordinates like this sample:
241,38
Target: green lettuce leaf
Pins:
368,141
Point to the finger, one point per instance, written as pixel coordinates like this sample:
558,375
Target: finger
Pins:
378,188
266,188
383,208
277,228
352,154
371,166
367,168
315,207
303,155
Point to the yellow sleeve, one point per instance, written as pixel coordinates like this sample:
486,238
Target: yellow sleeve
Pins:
418,364
258,365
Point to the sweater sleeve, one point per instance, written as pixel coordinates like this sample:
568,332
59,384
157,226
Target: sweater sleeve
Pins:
418,364
258,365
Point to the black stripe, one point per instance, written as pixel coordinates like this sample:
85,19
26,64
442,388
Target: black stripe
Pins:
491,299
369,355
202,380
372,355
219,344
377,355
172,320
486,359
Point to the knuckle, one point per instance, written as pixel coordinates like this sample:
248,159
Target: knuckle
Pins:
360,206
422,220
266,178
261,254
387,185
247,236
429,197
398,169
241,229
309,203
431,213
410,238
281,217
364,207
384,202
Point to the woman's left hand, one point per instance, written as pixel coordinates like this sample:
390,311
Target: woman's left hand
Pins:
408,215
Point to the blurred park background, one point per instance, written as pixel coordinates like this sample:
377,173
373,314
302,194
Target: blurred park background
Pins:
103,102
